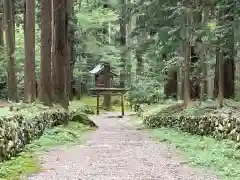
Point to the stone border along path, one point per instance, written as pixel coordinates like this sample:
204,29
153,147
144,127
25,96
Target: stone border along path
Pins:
117,151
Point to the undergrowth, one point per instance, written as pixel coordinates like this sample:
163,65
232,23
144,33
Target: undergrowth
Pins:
220,156
26,162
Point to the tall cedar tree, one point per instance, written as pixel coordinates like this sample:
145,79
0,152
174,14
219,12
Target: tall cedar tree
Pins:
123,41
29,64
60,51
10,55
45,85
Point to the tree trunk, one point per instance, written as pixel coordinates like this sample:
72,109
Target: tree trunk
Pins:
203,62
1,26
107,79
220,63
60,52
237,80
11,57
140,63
1,31
187,56
107,98
69,69
226,17
123,41
179,83
187,61
54,72
68,84
129,44
29,64
45,86
229,64
237,70
220,77
210,82
140,39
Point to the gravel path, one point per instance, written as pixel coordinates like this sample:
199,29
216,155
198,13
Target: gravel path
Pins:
117,151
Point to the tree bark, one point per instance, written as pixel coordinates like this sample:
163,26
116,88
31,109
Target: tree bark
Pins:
107,98
179,83
11,57
210,82
1,25
123,41
220,78
129,43
226,18
1,31
29,64
140,39
68,79
203,62
187,61
45,85
187,56
237,80
53,70
60,51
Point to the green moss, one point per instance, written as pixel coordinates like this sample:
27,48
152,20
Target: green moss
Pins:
26,162
220,156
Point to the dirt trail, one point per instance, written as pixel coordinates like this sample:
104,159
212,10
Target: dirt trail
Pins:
117,151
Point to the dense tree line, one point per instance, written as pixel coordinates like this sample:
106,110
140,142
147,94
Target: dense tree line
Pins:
190,48
55,61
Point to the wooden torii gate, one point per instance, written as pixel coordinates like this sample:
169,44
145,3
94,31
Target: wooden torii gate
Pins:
112,92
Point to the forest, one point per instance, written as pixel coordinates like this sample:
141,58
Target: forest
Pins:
178,61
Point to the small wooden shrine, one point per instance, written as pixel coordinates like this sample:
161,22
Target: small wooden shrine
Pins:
103,86
103,75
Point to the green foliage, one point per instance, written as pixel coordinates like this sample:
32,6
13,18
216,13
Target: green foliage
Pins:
220,156
217,126
145,90
96,19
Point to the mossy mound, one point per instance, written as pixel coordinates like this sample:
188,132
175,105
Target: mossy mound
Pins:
215,123
82,118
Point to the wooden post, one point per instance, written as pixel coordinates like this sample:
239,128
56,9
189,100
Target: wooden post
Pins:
97,103
122,104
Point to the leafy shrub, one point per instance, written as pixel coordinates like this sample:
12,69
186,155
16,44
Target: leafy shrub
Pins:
219,127
145,91
17,130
